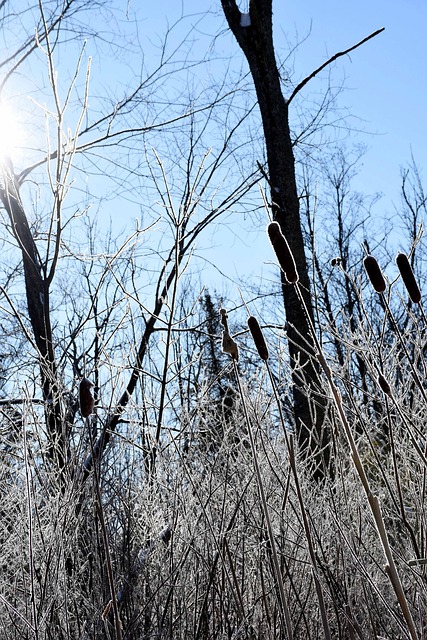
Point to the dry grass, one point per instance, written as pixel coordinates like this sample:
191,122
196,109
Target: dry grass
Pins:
232,540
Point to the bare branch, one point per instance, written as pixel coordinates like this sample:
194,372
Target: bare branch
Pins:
328,62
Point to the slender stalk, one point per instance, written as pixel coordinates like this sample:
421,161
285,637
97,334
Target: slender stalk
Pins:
372,499
405,349
30,539
104,533
278,574
292,460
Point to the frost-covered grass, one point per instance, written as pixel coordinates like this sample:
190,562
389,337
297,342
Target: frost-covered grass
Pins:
231,537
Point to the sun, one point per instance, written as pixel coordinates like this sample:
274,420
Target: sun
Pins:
11,132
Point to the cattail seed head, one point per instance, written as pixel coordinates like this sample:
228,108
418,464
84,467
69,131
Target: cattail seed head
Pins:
258,337
224,318
374,273
87,401
230,346
408,277
283,252
385,387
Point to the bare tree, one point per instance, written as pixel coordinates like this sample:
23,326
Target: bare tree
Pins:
85,313
254,34
136,524
42,245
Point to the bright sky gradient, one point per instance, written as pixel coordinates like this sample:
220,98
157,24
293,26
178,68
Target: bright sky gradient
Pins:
386,78
385,83
385,88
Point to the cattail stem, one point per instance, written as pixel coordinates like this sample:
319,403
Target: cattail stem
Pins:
28,483
403,344
284,608
104,533
261,346
357,460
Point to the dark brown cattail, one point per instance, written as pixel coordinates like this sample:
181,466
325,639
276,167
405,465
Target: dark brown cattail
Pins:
258,337
375,275
408,277
283,252
384,385
87,401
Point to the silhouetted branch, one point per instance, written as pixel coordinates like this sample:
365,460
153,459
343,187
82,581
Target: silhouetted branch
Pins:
328,62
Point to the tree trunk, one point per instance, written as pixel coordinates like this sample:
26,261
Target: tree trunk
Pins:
37,294
256,41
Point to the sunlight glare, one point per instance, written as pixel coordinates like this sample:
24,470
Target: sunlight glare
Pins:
11,133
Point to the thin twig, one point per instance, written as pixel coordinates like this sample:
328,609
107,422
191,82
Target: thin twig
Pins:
328,62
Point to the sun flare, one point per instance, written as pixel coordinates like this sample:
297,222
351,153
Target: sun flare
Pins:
11,132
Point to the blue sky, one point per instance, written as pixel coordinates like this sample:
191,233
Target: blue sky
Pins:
385,79
384,89
385,83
